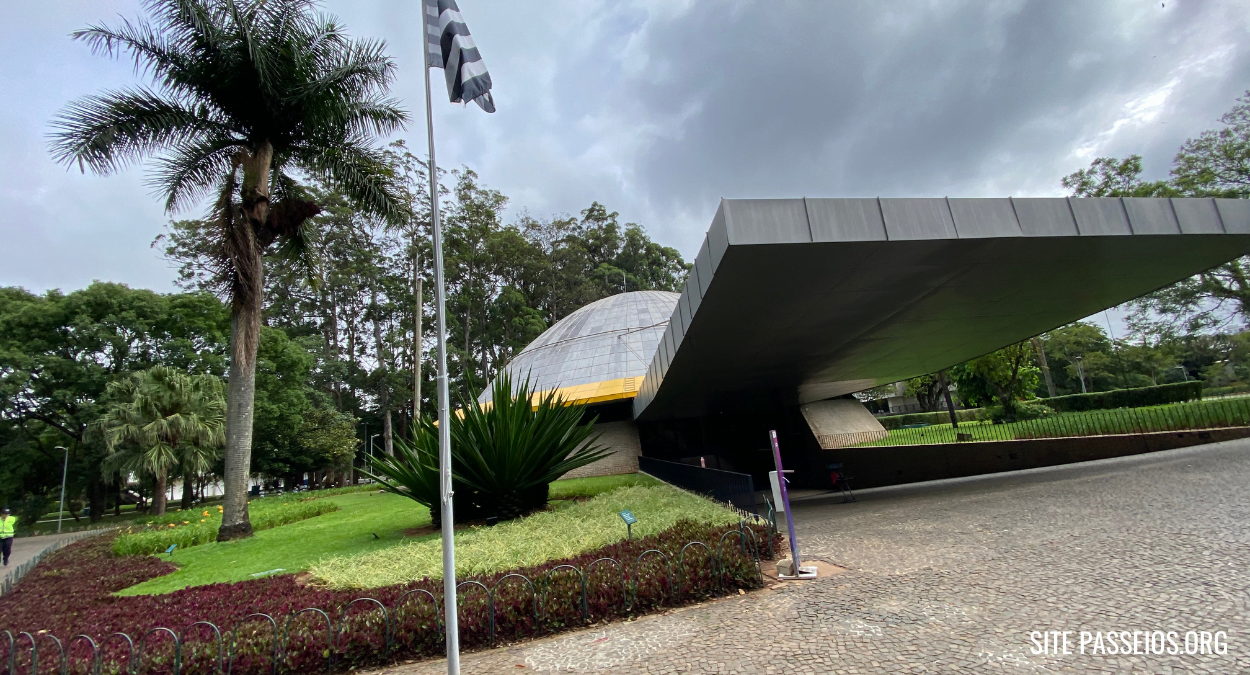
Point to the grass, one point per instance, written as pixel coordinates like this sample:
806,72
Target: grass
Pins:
589,487
567,530
1171,417
295,547
346,532
185,529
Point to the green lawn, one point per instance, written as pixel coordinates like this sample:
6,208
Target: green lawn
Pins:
1206,414
346,532
296,546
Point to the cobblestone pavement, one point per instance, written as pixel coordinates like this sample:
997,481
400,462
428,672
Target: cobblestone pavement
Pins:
953,576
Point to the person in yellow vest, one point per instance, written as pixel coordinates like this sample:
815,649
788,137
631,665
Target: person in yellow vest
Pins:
8,525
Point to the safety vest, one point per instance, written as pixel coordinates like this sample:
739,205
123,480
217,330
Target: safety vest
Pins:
6,526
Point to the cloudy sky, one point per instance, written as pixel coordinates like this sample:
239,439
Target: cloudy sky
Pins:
658,108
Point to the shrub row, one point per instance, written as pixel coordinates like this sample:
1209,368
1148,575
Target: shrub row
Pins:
939,417
1139,397
70,594
191,528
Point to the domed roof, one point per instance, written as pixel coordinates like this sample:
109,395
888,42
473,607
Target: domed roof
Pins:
599,352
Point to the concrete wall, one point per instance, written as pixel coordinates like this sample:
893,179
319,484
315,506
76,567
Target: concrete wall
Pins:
876,467
841,422
622,438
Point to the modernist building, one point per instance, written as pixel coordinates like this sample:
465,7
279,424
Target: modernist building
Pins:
793,304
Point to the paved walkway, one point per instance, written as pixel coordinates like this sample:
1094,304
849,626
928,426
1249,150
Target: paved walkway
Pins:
953,576
25,548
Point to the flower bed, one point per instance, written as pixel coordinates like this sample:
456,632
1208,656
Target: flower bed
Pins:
191,528
71,594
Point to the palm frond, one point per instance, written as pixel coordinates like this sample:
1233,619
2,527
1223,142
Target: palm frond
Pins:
112,130
361,173
192,170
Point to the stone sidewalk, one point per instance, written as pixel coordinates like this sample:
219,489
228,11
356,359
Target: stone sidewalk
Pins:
953,576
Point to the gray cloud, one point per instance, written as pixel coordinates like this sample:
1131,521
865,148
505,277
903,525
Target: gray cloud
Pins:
659,108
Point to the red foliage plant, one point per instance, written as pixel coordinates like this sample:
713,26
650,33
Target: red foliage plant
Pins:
71,593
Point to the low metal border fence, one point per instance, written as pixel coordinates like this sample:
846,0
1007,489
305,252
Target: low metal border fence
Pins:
653,580
731,487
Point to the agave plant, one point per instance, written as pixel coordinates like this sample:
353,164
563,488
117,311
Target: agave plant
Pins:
505,454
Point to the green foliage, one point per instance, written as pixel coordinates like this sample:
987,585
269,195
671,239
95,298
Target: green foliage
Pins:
58,352
295,431
940,417
1214,164
927,389
1127,398
298,83
558,533
571,488
1024,410
1192,415
1003,376
30,509
193,528
505,454
160,418
363,512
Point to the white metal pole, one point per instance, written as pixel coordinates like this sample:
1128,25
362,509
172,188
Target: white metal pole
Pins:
64,473
448,527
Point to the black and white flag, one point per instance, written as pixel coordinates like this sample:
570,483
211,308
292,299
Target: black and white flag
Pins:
450,47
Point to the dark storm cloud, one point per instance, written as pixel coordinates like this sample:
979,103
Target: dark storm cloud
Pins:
657,108
970,99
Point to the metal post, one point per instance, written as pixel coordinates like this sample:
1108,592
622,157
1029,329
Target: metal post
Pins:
448,527
785,496
64,472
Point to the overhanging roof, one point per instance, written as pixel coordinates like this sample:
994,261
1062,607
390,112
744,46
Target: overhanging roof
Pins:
797,300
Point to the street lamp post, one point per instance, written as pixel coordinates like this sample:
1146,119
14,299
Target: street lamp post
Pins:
371,450
1080,371
64,472
1183,371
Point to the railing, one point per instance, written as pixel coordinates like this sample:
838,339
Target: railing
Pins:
368,632
727,486
1191,416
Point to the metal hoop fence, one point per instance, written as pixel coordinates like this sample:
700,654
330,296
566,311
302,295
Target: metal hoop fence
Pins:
367,632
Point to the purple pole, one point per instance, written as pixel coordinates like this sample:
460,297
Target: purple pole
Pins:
785,497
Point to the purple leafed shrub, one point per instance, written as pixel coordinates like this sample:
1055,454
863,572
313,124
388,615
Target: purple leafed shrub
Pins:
70,594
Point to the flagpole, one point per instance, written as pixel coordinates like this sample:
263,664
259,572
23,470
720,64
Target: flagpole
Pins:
448,526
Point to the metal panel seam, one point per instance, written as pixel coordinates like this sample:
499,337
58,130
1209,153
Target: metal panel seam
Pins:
1124,210
807,215
1172,208
1219,216
1075,221
949,212
1020,226
884,225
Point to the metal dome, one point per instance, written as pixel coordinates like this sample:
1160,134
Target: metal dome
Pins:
599,352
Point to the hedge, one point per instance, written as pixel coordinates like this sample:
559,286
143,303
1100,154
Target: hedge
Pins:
939,417
1126,398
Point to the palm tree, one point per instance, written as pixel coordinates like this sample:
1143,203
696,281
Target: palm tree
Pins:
161,418
244,95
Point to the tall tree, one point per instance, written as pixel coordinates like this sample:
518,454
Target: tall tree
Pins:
245,93
1214,164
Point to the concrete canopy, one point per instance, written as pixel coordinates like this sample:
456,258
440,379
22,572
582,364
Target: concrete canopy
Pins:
797,300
